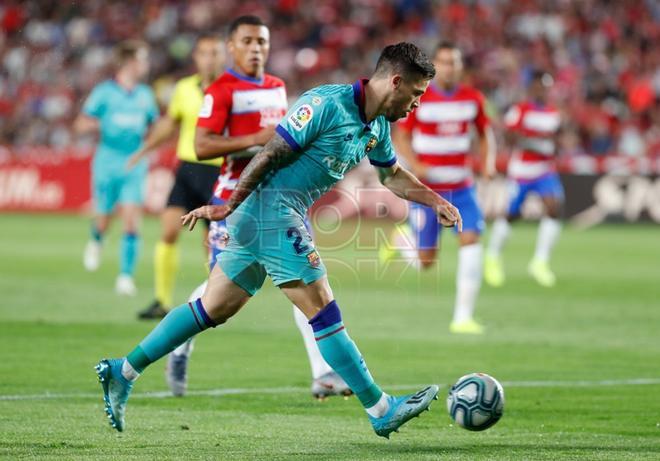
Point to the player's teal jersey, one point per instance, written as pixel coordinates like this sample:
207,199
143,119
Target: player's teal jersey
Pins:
267,235
124,117
328,127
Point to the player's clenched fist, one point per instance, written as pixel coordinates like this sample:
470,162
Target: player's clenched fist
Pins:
448,215
209,212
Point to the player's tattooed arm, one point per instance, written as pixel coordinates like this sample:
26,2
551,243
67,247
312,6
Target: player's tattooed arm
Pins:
405,185
275,154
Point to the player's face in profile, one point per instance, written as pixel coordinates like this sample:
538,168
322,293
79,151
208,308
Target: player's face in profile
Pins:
249,46
448,66
209,57
405,96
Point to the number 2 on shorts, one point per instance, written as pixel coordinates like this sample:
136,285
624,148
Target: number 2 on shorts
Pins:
297,243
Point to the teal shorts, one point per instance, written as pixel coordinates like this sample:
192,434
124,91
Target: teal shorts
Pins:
278,246
112,184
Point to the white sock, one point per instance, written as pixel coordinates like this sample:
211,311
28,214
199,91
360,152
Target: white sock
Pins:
468,281
185,349
549,230
316,361
198,292
499,236
128,372
381,407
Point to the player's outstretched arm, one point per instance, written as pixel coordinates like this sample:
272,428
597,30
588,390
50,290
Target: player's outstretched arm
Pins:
163,130
405,185
274,155
84,124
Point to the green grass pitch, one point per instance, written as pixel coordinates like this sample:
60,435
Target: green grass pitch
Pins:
580,363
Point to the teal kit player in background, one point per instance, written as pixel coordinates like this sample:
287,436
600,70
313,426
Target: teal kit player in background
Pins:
328,131
121,111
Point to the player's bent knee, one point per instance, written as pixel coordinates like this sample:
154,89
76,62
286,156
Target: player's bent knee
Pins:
468,238
426,258
309,298
426,264
170,236
554,211
221,310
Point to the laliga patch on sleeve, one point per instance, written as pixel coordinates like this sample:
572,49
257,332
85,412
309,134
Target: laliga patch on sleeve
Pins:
301,117
207,106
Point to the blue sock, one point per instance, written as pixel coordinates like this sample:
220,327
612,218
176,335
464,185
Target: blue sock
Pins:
180,324
97,236
130,245
341,353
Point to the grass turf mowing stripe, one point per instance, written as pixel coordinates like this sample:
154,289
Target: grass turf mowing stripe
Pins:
289,390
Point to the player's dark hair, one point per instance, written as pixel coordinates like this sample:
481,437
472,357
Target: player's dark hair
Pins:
249,20
406,59
538,74
127,50
542,77
446,45
210,36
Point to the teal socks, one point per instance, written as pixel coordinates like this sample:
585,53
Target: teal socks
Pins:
130,245
341,353
180,324
96,234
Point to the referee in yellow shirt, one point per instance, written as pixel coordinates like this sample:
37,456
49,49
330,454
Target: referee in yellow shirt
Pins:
193,185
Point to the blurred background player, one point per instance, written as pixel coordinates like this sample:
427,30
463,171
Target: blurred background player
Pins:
194,179
533,126
435,141
238,115
120,110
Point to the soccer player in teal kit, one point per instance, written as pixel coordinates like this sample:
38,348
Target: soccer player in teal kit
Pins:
328,131
120,110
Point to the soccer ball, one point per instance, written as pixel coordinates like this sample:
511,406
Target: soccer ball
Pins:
476,401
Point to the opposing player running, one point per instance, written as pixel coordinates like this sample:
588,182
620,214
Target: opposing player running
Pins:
326,133
121,110
435,140
194,179
239,114
533,127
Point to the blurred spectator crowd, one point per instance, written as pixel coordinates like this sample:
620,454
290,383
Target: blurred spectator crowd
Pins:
604,55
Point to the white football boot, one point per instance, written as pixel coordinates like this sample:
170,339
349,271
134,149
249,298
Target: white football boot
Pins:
125,286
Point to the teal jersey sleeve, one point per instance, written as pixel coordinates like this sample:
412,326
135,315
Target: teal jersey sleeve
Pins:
382,153
308,117
95,104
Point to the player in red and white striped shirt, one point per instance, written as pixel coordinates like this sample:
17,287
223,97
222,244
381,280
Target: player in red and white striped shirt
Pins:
239,113
436,141
532,126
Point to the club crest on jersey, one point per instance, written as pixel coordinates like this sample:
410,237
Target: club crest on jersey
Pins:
371,144
314,259
301,117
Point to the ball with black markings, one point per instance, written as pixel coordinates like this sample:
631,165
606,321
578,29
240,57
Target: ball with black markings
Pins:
476,401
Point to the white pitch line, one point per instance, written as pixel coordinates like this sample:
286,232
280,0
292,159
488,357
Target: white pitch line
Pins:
295,390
